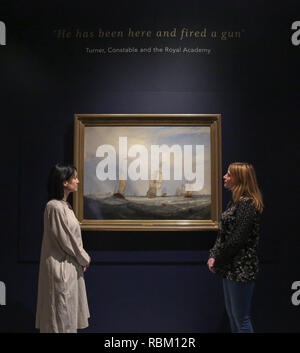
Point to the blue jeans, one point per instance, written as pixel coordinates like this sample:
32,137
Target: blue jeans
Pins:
238,297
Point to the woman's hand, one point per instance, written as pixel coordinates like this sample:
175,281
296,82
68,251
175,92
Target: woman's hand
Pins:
84,268
210,264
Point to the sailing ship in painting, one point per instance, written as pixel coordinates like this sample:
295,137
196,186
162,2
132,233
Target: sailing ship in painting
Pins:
180,191
155,187
120,192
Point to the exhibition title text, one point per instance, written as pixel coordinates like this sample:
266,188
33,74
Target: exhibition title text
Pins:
130,33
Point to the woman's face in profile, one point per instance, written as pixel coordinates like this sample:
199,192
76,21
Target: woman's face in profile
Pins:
229,180
72,183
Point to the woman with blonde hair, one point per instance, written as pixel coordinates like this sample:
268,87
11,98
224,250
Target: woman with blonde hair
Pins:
235,254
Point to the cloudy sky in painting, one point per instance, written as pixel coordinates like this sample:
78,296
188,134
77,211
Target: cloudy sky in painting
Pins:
145,136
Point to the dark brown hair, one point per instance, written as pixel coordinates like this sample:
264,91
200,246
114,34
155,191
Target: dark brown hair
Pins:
58,174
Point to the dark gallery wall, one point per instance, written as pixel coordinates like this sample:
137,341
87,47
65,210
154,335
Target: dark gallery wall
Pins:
150,281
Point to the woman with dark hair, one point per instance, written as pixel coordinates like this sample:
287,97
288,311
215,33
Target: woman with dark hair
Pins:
62,302
235,253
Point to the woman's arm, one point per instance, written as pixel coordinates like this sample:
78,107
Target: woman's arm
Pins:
66,239
245,214
213,252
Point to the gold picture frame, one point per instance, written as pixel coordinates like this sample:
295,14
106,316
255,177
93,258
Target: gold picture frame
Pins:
156,200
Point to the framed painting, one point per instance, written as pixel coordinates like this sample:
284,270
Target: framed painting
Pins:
148,171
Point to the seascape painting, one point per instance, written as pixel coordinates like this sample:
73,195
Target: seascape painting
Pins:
147,173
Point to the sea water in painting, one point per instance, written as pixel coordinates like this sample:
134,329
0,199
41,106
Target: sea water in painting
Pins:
147,173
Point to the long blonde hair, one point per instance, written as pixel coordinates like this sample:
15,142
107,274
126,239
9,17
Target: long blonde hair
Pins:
246,184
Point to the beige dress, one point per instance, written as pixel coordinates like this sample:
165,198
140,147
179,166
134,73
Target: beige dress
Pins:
62,302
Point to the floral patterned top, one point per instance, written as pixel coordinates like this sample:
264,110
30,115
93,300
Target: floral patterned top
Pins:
236,247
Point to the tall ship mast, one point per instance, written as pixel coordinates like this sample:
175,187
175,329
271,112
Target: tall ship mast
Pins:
155,187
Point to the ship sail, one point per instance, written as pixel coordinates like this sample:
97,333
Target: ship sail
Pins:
152,189
122,185
121,189
159,184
